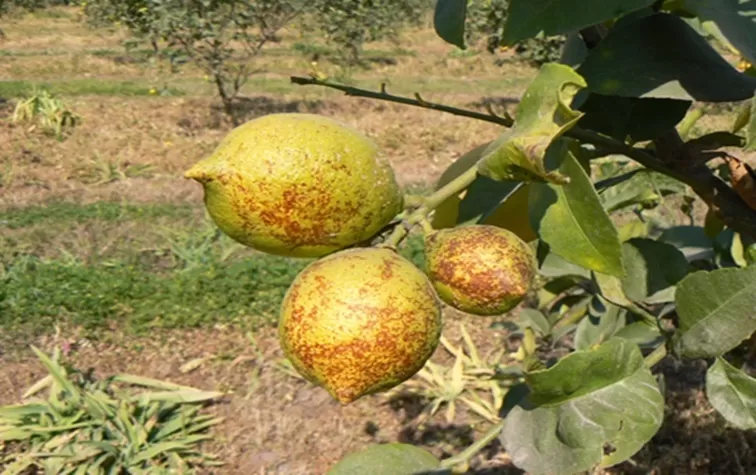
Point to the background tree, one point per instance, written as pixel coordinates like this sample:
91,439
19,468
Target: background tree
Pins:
221,37
485,22
348,24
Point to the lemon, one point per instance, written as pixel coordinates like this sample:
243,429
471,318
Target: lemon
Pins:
480,269
360,321
298,185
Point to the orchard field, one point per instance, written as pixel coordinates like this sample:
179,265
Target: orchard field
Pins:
107,254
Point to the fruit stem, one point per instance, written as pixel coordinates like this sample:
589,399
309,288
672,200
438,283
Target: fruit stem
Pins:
450,189
688,122
396,237
428,204
476,447
655,356
413,201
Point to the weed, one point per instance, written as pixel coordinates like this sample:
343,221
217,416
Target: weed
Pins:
194,248
209,284
44,110
35,294
468,381
95,426
81,87
100,171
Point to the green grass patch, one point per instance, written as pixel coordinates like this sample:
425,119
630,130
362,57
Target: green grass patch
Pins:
36,295
246,292
256,85
102,210
82,87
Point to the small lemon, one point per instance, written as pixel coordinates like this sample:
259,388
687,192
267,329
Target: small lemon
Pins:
480,269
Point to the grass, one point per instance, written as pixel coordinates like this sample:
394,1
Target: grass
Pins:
103,210
36,295
202,281
270,85
80,87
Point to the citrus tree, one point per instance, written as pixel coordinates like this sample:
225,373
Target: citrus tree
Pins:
538,215
349,24
486,19
221,37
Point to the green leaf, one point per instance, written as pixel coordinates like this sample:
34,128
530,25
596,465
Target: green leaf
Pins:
733,393
532,318
735,19
483,196
150,383
715,310
543,115
692,241
449,21
602,322
574,51
593,407
553,266
156,449
631,117
176,397
58,373
571,220
651,267
641,333
642,186
387,459
662,56
528,18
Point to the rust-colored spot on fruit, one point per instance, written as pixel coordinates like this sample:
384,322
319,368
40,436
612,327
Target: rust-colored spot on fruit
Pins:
483,270
373,326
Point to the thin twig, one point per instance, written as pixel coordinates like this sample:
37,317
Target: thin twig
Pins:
385,96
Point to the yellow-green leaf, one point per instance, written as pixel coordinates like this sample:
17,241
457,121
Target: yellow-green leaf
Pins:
543,115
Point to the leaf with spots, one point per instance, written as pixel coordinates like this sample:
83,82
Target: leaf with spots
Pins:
388,459
594,407
543,116
662,56
733,393
715,311
572,221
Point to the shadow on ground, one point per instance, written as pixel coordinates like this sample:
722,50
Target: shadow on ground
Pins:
245,109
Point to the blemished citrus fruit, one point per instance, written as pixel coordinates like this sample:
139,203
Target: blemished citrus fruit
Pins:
298,185
480,269
360,321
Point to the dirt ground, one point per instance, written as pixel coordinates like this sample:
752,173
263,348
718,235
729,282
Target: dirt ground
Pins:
275,423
